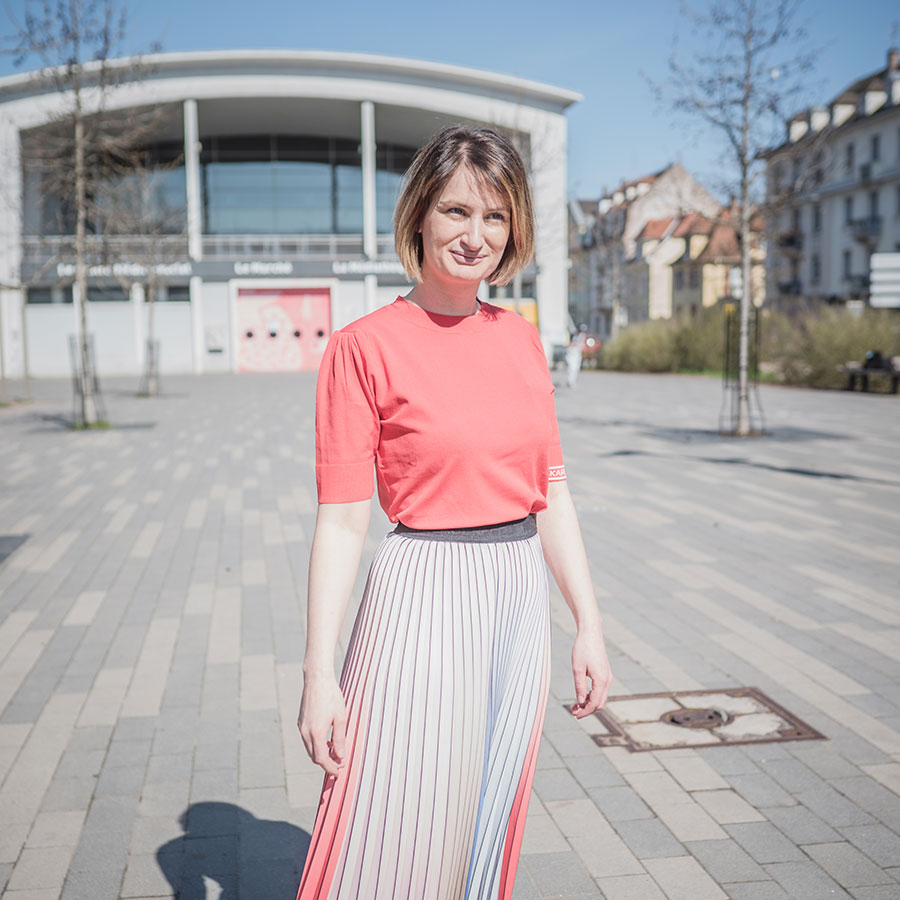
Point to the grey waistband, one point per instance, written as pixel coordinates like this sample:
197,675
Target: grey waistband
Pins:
519,530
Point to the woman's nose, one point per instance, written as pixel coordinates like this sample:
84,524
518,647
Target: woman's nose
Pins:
473,235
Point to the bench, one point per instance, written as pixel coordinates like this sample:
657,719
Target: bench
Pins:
873,367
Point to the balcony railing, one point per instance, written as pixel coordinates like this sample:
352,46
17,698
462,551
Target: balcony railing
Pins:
857,284
790,242
791,288
867,230
38,252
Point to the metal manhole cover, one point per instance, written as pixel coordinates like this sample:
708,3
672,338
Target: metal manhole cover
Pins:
714,718
694,717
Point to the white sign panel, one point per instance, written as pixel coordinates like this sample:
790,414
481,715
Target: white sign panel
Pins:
884,281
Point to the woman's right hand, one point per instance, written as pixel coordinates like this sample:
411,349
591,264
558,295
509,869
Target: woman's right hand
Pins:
322,710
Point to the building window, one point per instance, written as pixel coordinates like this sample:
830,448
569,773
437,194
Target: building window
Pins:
848,210
817,218
49,294
848,263
876,147
898,199
851,153
694,278
679,279
873,205
815,274
796,222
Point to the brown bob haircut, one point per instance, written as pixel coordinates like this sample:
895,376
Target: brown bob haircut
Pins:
496,163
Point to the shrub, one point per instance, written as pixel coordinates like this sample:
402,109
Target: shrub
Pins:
647,347
808,348
822,342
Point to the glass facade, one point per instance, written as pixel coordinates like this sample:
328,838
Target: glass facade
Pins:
256,184
279,184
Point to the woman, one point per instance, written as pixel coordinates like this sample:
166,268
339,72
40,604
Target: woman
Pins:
435,724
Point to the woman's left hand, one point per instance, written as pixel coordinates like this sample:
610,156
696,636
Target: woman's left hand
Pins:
589,661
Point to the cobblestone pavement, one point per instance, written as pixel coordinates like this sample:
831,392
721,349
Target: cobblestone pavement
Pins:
151,632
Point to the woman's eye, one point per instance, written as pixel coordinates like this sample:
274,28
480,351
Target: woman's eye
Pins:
498,217
456,211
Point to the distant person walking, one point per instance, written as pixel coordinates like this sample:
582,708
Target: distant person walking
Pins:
575,355
429,742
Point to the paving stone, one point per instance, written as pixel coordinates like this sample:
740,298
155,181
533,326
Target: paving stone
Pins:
92,884
649,838
804,880
877,892
40,868
619,803
630,887
560,873
800,825
765,843
556,784
878,843
757,890
760,790
846,865
682,878
833,807
726,861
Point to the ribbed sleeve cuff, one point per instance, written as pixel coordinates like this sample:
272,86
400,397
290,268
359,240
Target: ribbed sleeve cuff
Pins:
345,483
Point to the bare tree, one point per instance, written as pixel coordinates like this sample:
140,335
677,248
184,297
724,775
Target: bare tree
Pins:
748,69
144,232
74,43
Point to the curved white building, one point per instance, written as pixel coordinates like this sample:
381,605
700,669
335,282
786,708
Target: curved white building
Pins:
280,172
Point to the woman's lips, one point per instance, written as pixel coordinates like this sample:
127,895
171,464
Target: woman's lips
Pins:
466,258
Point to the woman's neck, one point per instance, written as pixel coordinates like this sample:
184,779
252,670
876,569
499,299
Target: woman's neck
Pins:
445,300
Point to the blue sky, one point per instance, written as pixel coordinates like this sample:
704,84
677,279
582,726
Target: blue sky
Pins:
601,49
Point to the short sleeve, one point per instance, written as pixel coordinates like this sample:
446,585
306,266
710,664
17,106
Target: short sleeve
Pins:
557,469
347,423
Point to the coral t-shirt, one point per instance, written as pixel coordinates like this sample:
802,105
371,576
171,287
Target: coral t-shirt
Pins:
455,412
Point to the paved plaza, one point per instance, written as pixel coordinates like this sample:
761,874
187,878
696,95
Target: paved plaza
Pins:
152,608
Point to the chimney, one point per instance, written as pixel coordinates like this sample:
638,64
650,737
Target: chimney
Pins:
893,76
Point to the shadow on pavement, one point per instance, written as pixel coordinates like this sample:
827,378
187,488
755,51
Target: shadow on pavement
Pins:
753,464
9,543
51,423
235,854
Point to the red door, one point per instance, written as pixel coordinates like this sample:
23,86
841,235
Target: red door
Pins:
282,329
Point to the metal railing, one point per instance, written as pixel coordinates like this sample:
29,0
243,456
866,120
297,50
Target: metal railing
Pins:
868,229
39,252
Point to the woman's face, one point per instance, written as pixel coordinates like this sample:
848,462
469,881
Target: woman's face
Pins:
465,231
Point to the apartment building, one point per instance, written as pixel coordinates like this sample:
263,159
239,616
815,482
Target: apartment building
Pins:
833,193
604,240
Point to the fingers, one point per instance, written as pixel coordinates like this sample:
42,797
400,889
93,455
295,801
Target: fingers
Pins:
600,684
339,739
324,753
580,687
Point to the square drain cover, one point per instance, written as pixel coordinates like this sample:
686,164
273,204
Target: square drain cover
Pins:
698,719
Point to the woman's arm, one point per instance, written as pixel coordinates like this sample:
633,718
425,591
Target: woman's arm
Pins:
564,552
334,559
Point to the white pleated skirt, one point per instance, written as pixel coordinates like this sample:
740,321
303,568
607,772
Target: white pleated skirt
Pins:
446,680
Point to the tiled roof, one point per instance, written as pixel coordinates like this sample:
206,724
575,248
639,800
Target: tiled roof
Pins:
693,223
655,228
722,246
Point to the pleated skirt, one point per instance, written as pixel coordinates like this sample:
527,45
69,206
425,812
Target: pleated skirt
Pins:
446,679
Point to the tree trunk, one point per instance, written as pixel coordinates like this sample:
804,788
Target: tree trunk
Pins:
25,366
85,375
152,362
743,422
4,398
